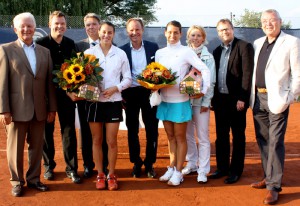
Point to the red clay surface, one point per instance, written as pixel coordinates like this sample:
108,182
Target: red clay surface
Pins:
145,191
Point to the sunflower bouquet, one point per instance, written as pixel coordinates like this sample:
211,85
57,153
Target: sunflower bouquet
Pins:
79,73
155,76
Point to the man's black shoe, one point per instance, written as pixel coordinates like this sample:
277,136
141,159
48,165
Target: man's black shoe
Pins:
217,174
87,173
136,171
49,174
38,185
74,176
231,179
150,172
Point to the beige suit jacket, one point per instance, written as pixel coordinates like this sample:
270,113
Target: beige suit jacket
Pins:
22,93
282,73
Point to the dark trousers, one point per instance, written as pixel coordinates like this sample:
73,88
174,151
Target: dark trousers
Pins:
137,98
227,117
66,114
270,130
87,141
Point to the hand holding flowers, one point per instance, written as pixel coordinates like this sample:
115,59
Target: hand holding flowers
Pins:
81,72
155,76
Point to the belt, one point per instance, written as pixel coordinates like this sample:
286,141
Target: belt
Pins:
262,90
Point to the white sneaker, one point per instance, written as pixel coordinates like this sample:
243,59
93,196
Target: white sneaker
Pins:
188,169
176,178
202,178
167,176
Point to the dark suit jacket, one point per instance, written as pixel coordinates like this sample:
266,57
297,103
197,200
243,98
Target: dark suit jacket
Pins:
22,93
150,49
239,71
82,45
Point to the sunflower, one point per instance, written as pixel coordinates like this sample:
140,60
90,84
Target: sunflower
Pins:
78,78
68,76
76,69
155,66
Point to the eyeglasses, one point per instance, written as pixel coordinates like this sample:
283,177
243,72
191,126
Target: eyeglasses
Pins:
266,21
222,30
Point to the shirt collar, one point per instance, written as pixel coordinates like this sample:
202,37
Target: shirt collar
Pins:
33,45
91,41
134,48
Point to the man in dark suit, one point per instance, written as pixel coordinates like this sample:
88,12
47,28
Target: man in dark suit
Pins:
275,85
61,48
234,67
27,100
92,26
136,98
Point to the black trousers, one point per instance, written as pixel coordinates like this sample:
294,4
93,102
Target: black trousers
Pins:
227,117
87,141
136,99
66,114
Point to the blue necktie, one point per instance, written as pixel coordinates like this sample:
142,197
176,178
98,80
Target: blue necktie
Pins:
94,43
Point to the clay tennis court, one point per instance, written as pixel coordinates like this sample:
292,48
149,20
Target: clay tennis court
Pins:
145,191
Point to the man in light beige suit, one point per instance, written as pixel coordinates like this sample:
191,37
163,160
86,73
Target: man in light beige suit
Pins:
27,100
275,85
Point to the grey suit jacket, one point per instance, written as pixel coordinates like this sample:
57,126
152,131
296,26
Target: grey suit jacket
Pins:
22,93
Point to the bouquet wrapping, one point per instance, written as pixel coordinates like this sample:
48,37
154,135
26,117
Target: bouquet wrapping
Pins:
155,76
191,83
80,74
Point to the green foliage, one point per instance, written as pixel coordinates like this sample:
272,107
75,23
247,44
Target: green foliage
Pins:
252,19
117,11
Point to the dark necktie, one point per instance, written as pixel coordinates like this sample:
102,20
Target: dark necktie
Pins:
94,43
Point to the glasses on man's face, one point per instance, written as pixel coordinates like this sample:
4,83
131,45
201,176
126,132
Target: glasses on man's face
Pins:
222,30
266,21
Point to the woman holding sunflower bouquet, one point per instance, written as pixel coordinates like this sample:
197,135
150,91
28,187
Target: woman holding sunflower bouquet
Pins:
108,110
175,109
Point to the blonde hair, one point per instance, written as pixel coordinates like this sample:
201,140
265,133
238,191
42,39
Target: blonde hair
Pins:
56,13
201,29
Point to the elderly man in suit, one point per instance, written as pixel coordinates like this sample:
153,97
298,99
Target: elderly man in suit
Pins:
27,100
275,85
136,98
92,26
234,67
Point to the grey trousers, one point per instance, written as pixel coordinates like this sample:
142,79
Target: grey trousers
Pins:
270,131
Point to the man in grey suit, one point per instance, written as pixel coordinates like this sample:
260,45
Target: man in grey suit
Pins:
27,100
275,85
92,26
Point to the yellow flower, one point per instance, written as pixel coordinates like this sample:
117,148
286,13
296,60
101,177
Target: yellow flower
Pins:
76,68
79,78
90,57
68,76
155,66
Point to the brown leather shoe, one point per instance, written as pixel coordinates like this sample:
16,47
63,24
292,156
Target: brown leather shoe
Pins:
259,185
271,198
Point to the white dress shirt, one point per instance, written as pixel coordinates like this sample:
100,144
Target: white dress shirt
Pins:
30,54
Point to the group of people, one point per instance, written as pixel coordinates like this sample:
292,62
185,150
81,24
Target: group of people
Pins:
236,75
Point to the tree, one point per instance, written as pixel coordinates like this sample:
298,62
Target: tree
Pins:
252,19
114,10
